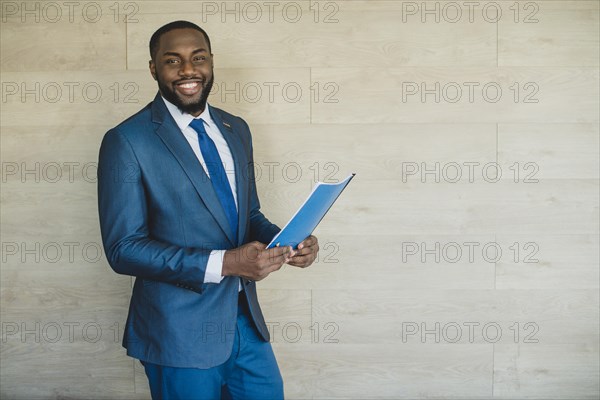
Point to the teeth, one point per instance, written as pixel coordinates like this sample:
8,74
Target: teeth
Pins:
189,85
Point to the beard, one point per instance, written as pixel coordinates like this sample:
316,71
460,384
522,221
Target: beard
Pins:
194,105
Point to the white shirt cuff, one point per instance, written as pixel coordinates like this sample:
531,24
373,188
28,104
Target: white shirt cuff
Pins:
214,267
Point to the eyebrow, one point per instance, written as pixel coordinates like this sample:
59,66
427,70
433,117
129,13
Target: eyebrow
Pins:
172,53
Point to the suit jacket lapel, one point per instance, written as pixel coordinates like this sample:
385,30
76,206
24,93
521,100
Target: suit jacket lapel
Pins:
171,135
242,163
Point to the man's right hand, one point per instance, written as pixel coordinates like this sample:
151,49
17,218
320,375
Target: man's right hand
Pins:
254,262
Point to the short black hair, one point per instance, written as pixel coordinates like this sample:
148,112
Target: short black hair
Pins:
172,26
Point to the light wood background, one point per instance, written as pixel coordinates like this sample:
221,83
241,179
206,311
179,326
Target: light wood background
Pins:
342,328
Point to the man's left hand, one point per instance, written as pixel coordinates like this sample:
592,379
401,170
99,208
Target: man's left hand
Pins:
306,253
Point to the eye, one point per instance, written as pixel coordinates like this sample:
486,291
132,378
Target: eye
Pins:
171,61
199,59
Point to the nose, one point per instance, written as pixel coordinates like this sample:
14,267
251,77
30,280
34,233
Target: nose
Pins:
187,69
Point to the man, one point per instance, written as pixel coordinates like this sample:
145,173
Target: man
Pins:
179,210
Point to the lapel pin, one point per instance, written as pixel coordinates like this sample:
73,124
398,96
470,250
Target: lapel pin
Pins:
227,125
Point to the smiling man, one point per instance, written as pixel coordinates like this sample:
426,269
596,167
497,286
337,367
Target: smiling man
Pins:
179,210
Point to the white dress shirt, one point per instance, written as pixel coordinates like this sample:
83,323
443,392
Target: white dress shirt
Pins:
214,267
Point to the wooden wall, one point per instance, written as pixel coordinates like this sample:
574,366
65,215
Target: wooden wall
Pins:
462,262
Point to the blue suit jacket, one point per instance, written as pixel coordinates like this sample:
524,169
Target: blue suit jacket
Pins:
160,218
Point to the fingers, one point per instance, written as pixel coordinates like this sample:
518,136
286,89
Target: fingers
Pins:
280,254
254,262
306,253
301,261
308,246
272,260
308,242
258,252
275,251
265,261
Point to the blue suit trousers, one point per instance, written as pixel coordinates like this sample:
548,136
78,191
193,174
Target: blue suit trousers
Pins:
251,372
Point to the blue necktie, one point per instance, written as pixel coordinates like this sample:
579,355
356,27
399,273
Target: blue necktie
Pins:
218,177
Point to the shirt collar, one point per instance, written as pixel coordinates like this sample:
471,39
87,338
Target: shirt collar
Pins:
183,119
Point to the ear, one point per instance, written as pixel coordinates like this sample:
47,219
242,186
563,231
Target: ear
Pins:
152,67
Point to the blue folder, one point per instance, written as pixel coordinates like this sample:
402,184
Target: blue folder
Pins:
306,219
